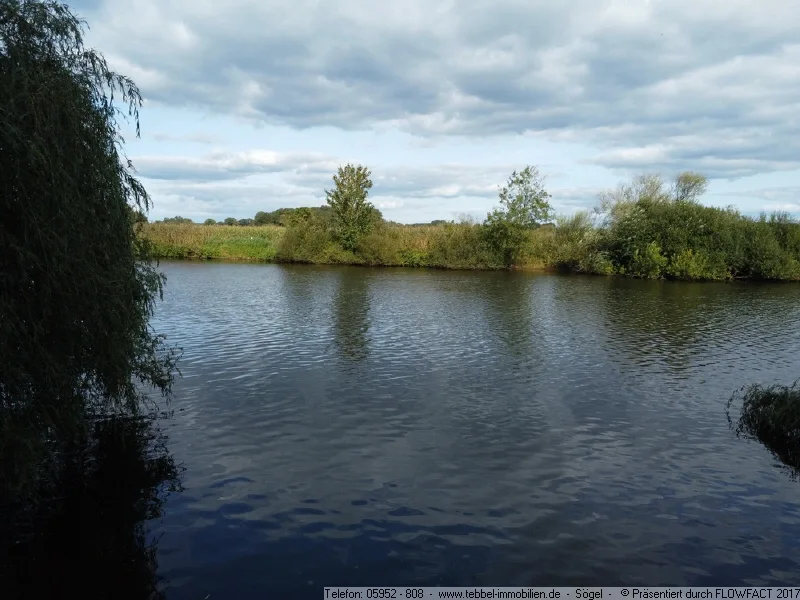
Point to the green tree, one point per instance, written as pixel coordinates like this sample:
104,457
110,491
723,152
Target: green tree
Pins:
616,204
137,216
299,216
354,216
178,220
78,287
650,187
230,221
524,199
689,186
325,215
244,222
209,222
524,205
263,218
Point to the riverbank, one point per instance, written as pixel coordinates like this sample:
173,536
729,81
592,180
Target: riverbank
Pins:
448,246
684,241
452,246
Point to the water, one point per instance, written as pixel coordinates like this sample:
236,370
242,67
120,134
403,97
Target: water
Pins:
349,426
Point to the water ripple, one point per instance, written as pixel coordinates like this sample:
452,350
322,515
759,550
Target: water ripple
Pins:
380,427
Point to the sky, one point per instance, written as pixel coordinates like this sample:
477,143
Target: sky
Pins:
253,104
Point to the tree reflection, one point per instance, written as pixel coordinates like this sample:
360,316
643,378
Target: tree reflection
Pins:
661,321
676,323
87,534
351,315
302,284
509,313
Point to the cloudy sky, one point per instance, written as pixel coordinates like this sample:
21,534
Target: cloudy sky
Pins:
252,104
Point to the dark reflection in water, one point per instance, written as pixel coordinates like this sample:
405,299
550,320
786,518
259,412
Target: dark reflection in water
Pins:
510,316
88,538
351,318
345,426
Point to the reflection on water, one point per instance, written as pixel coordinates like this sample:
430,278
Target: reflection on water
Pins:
345,426
351,318
89,537
510,316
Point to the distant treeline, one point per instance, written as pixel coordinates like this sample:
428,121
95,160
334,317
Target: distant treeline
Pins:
281,217
648,228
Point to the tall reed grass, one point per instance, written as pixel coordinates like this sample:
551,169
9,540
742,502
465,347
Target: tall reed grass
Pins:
183,240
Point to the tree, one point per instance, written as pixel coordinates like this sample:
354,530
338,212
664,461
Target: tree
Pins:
524,199
78,286
230,221
244,222
299,216
262,218
523,205
353,215
178,220
649,187
209,222
689,186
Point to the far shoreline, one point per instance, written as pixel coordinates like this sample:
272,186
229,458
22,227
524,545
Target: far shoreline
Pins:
713,245
529,269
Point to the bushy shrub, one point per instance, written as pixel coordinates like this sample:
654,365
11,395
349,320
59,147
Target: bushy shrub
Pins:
459,246
575,244
787,231
506,239
648,263
697,241
594,263
379,247
692,265
304,241
410,257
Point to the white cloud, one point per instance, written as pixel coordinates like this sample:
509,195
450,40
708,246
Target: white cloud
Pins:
197,138
663,85
790,207
384,204
229,165
240,184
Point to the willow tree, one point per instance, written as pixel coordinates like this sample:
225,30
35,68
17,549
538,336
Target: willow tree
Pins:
77,286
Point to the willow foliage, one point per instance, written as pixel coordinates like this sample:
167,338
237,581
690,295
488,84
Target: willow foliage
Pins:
77,287
771,415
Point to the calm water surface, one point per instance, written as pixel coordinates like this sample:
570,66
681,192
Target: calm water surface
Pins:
347,426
